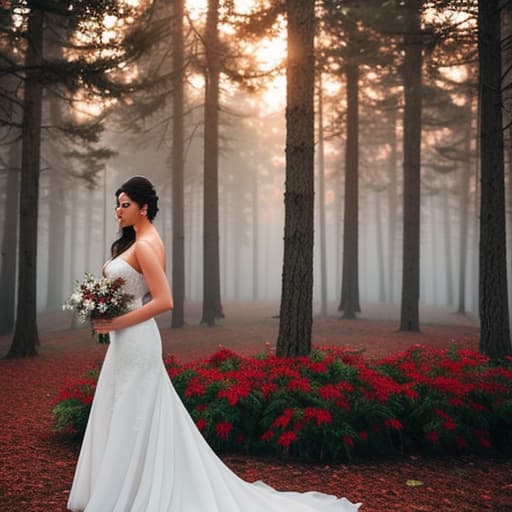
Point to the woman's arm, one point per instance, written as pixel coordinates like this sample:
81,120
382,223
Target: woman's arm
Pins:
161,297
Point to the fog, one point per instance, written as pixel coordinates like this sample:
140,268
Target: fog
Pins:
251,213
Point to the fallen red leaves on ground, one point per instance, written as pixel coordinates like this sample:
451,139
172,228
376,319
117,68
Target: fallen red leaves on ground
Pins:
37,465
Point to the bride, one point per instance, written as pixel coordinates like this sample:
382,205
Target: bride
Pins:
142,452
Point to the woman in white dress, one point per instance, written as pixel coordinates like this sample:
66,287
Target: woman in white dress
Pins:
142,452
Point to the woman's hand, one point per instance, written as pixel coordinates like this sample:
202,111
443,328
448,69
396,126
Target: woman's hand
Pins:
105,325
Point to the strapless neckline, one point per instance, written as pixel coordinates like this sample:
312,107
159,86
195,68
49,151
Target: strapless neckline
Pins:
118,258
128,265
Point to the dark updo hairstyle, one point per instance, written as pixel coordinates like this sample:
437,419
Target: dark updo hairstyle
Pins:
140,190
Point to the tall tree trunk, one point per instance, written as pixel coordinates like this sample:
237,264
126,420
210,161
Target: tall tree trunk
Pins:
74,241
321,201
56,232
26,338
380,246
412,78
296,315
465,175
448,246
178,167
349,303
212,306
255,237
493,303
89,226
506,55
392,203
9,242
339,199
56,226
433,244
237,220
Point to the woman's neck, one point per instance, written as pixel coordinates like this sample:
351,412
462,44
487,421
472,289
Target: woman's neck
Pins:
142,228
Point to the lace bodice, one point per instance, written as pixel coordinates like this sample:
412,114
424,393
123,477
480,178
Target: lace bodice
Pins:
135,284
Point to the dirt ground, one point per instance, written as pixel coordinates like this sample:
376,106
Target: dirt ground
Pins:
37,465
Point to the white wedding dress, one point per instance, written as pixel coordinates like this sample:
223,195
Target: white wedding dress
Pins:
142,452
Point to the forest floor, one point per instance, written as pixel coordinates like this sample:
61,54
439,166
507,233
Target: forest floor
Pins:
37,464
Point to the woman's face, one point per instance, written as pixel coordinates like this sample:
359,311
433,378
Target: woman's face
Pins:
128,211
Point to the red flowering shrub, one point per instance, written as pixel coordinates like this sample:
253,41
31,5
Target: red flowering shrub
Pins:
335,404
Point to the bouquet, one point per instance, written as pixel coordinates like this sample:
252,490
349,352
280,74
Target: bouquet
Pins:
98,298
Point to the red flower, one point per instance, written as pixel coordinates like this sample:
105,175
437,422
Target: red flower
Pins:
485,442
482,436
268,435
286,438
222,355
234,393
267,388
321,416
299,385
201,423
450,425
442,414
298,425
223,429
283,420
461,442
363,436
393,423
432,436
409,392
195,387
330,392
348,441
478,407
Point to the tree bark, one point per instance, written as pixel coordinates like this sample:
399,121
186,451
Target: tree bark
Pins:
464,220
56,231
321,201
412,78
255,237
26,338
349,303
237,220
392,204
380,246
448,246
10,242
493,300
56,226
178,167
295,321
212,306
432,200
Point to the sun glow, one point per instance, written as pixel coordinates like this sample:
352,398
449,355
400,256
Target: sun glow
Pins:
268,55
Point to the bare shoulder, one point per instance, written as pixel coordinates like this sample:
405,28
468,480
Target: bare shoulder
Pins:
151,247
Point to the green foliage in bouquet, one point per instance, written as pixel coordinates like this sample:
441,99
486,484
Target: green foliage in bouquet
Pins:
334,405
